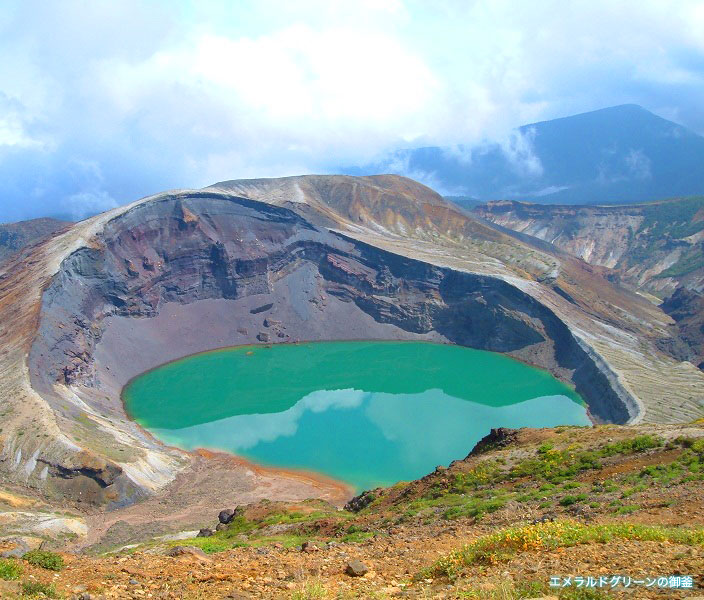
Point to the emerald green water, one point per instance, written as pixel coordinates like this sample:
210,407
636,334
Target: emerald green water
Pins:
368,413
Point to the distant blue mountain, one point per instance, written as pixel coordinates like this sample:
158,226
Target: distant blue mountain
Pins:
619,154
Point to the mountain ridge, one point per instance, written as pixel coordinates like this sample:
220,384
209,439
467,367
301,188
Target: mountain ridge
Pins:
615,154
655,248
15,236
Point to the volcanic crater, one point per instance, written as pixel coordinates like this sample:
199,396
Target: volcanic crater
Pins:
276,261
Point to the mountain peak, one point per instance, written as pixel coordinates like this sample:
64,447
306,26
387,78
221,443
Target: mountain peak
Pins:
617,154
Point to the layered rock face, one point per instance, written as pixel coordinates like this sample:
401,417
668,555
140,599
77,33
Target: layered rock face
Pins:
656,249
653,247
310,258
261,274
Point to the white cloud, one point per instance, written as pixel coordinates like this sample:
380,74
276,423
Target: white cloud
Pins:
79,206
297,85
14,125
12,132
165,95
518,149
242,432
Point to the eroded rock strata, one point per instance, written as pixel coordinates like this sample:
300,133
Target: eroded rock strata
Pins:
276,261
262,273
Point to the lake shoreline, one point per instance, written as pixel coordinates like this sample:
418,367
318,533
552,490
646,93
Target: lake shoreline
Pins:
353,411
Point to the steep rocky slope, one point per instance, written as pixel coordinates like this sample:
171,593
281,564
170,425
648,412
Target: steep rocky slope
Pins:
654,248
686,307
15,236
330,257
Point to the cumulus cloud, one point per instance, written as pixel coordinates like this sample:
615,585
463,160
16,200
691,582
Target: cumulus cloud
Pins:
162,95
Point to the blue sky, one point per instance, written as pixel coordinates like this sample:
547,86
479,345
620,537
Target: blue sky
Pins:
104,102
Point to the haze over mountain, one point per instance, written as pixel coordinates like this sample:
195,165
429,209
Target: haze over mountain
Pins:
618,154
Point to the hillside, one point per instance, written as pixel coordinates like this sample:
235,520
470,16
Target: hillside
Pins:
653,248
624,154
524,506
15,236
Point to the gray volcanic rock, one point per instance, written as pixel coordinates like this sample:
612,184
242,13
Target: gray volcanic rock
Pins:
356,568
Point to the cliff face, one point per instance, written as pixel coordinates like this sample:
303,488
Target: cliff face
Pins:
653,247
189,271
686,307
656,249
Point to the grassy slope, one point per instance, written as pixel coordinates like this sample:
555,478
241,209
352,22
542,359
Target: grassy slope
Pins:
629,498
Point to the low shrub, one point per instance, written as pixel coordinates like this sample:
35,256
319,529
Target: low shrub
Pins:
36,588
570,500
45,559
10,569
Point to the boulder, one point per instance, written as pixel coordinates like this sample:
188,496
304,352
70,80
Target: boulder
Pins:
225,516
356,568
309,547
205,532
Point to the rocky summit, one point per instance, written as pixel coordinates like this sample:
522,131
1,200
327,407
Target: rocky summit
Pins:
91,306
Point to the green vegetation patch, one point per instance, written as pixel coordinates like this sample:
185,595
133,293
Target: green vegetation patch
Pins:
45,559
544,478
38,589
10,569
690,261
689,466
509,590
673,219
504,544
296,527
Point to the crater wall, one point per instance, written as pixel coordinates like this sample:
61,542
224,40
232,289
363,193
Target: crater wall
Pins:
185,274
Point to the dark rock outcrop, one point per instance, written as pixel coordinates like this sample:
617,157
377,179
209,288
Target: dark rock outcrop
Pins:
495,439
226,516
362,500
686,307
